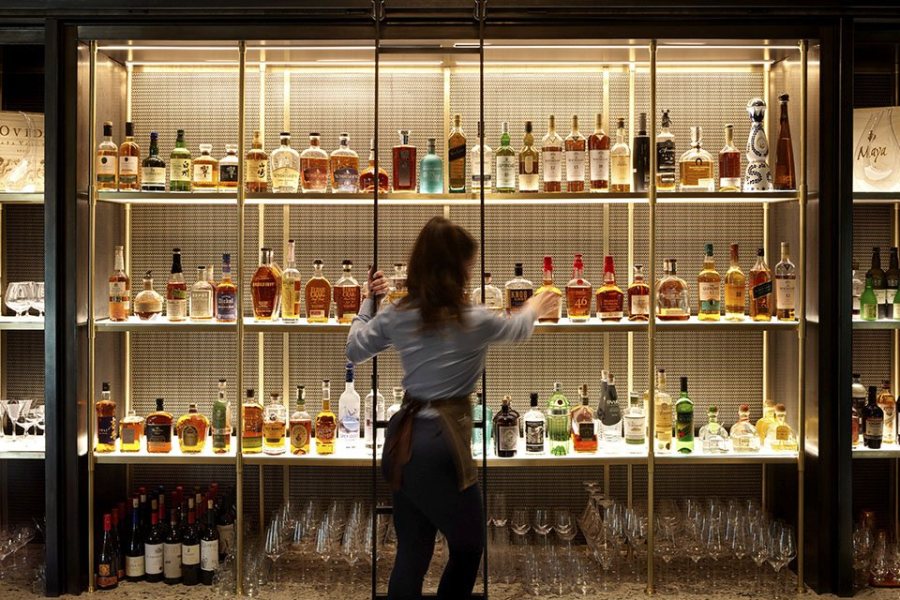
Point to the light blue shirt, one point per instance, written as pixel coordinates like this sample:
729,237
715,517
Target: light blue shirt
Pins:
446,363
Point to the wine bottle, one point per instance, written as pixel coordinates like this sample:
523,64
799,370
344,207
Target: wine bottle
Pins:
209,546
172,551
153,551
107,577
190,549
134,546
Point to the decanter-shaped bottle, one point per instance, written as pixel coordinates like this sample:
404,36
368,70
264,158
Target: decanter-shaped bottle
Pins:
757,177
876,158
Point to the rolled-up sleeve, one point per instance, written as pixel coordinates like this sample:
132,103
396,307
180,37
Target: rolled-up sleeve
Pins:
517,328
368,334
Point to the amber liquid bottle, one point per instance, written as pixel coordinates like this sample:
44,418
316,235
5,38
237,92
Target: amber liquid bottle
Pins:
106,422
266,288
158,429
256,167
785,178
318,295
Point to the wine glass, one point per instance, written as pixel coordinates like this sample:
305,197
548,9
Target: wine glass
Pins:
3,404
18,297
497,508
37,297
275,545
14,408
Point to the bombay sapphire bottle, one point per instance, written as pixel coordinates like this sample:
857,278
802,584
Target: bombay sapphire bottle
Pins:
758,177
431,171
481,413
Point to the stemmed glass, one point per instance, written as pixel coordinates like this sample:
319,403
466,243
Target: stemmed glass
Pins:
782,550
18,297
3,404
37,297
276,544
14,408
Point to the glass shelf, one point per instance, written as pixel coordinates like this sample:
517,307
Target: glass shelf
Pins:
170,198
876,197
24,448
175,457
22,323
21,197
879,324
892,451
693,324
161,324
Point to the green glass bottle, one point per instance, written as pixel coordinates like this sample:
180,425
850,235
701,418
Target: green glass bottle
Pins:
221,422
558,427
180,166
507,163
431,171
684,421
868,303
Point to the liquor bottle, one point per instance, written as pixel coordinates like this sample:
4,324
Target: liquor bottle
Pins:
106,421
620,162
584,431
347,294
348,412
518,290
314,166
190,548
158,429
553,314
713,436
266,288
635,423
506,430
191,429
397,288
858,396
744,436
888,406
373,409
397,403
225,524
858,286
760,288
205,170
209,546
367,177
153,551
766,421
226,294
456,156
129,162
779,436
507,163
735,288
318,295
274,425
892,285
611,417
873,421
291,287
709,288
684,421
672,300
638,296
477,150
481,413
202,296
172,551
118,534
529,162
785,285
757,177
119,289
598,155
134,546
107,575
300,424
153,168
784,151
326,423
641,161
868,303
256,167
285,167
879,282
221,421
492,299
578,293
107,159
665,156
610,299
558,428
431,170
551,157
131,431
252,424
176,290
344,167
663,409
729,164
696,166
576,146
228,168
180,165
535,428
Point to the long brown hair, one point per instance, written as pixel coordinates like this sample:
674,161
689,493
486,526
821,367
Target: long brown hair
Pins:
438,272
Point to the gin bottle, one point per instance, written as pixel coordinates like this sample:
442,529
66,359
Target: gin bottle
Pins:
535,428
431,171
479,149
558,421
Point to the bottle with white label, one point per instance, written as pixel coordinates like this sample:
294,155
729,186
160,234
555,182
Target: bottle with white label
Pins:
635,421
371,433
507,162
202,296
209,546
129,161
134,546
190,549
551,156
598,156
576,146
477,151
153,551
285,163
153,168
172,552
709,288
529,162
348,413
180,165
535,428
786,286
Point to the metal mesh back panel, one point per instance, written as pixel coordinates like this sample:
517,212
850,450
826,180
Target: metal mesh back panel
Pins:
872,226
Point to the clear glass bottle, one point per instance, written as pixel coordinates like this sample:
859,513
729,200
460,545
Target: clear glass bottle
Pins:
176,290
784,152
696,166
551,157
349,413
129,161
131,432
107,161
153,168
347,294
318,295
148,303
684,421
620,162
735,288
529,162
610,298
274,425
766,421
888,405
291,286
119,289
785,286
265,287
665,156
367,177
507,162
663,414
404,155
578,293
285,165
558,428
394,408
780,437
672,299
641,157
709,288
192,428
576,149
344,167
760,289
635,423
202,297
553,314
180,165
744,436
584,427
493,297
456,157
373,401
256,167
228,168
326,423
252,418
300,427
518,290
858,287
535,429
431,170
205,170
713,436
314,166
397,289
611,418
477,150
729,164
638,296
598,156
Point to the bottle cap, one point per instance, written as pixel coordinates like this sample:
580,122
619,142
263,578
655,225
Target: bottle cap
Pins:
129,129
856,375
666,121
684,384
528,127
250,393
285,134
534,399
780,407
608,266
105,386
154,136
578,263
548,263
783,98
159,403
709,249
760,252
713,410
621,123
744,408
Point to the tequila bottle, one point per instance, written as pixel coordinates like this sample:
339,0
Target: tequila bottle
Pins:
431,170
744,436
584,427
735,288
314,166
344,167
784,151
779,436
535,428
684,421
318,295
696,166
180,165
598,156
326,423
347,294
576,146
192,428
492,299
760,289
291,286
285,167
578,293
274,425
478,150
620,162
766,421
709,288
348,413
553,314
300,428
551,157
757,177
558,428
507,162
529,162
713,436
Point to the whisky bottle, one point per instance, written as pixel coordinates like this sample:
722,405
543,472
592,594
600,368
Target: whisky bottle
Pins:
578,293
205,170
397,285
610,299
153,168
735,288
760,289
491,298
285,167
709,288
696,166
598,155
291,287
575,146
107,427
326,423
551,157
641,161
713,436
266,288
665,156
672,298
535,429
274,425
620,162
367,177
228,168
638,296
192,428
584,427
119,289
518,290
180,165
318,295
158,429
221,421
558,428
506,430
873,421
553,314
879,283
256,167
456,157
252,424
529,162
744,437
729,164
106,161
507,163
300,424
314,166
431,170
347,294
176,290
785,285
226,294
202,296
129,162
479,149
131,432
148,303
784,152
404,155
888,405
684,421
344,167
663,414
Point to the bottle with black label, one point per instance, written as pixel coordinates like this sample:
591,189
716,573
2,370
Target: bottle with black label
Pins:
665,156
612,414
506,427
641,156
159,429
518,290
535,428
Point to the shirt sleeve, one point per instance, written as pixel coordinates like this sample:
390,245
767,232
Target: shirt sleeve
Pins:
368,334
498,329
